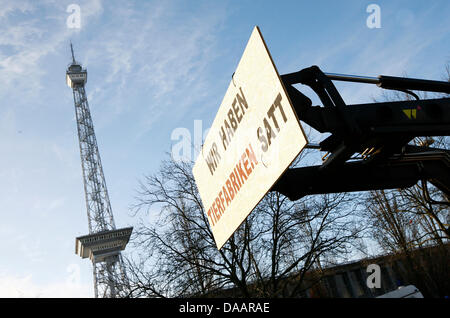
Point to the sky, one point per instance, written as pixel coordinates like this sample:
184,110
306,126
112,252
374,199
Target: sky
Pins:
156,68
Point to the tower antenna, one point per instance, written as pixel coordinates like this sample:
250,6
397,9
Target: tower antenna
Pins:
71,49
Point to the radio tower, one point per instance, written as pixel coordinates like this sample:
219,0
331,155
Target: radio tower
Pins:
104,242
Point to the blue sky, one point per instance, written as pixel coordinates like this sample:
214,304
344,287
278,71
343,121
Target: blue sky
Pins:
154,66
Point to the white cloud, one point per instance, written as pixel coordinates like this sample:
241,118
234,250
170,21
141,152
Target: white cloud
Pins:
164,63
13,286
27,42
6,7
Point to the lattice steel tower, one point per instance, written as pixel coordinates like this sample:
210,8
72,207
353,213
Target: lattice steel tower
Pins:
104,242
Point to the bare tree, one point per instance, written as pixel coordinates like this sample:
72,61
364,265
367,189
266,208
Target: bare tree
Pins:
178,247
423,206
298,235
268,255
401,220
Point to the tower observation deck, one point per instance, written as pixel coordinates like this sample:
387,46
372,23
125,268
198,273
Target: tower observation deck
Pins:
104,243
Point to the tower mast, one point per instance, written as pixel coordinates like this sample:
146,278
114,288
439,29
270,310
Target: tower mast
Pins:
104,242
73,56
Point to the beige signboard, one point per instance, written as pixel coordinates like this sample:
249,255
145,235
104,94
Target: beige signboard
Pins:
254,138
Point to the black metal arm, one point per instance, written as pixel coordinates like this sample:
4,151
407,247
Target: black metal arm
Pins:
379,131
